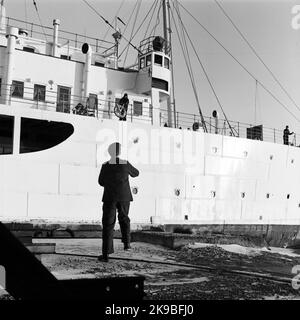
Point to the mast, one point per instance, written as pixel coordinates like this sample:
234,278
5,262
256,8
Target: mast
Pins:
168,46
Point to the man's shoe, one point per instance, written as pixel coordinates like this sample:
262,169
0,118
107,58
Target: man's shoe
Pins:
103,258
127,247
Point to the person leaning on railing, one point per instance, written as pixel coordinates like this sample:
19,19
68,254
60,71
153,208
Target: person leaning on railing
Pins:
286,134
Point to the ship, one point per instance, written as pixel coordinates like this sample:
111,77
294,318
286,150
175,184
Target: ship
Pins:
59,113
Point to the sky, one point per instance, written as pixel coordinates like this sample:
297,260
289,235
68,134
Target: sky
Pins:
266,24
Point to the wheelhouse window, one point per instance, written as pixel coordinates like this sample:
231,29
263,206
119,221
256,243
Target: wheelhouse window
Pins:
148,60
39,93
137,108
167,63
158,59
63,99
38,135
142,63
17,89
6,134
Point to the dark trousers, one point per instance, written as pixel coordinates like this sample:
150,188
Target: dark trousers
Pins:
108,224
285,139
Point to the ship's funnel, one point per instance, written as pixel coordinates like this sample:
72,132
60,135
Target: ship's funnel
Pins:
87,50
215,114
56,24
2,18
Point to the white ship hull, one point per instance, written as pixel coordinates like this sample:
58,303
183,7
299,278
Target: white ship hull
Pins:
235,181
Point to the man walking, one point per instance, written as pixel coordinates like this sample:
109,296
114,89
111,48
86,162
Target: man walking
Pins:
114,177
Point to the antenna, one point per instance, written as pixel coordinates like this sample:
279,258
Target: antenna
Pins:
107,22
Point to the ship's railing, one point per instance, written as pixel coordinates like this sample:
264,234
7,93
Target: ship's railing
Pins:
65,37
230,128
62,101
146,46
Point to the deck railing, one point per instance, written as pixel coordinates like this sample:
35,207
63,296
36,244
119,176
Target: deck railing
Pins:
51,100
65,37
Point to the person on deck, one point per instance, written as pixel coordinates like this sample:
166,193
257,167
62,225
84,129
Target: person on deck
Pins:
114,177
124,103
286,134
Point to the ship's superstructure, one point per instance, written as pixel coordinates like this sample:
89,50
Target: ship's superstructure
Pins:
57,120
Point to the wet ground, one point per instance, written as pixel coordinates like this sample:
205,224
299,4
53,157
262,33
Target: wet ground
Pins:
181,283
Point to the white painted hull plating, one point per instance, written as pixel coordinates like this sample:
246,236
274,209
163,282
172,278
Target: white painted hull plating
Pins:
235,181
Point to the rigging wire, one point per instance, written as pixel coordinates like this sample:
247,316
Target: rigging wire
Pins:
26,15
255,101
186,54
128,22
256,54
152,32
134,23
120,7
190,72
206,74
130,17
37,11
144,20
241,65
148,26
107,22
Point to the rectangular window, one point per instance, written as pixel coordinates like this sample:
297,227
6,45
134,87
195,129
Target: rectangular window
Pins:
65,57
63,99
17,89
28,49
148,60
39,93
158,59
137,108
99,64
142,63
6,134
92,105
160,84
167,63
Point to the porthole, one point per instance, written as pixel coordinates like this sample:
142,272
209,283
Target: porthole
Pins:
177,192
186,217
288,196
135,190
268,195
243,194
